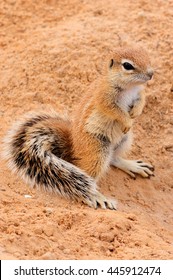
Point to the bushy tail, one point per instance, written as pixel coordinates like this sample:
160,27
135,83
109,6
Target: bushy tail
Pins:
33,149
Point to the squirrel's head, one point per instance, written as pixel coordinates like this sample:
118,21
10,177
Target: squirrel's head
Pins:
129,67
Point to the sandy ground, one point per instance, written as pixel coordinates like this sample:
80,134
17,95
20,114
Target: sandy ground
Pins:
50,52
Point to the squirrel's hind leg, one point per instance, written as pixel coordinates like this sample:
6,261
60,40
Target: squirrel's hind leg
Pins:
132,167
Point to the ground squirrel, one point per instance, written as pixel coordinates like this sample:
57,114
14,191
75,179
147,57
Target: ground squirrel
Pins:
69,156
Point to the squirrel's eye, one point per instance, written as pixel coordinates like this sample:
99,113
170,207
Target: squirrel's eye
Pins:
128,66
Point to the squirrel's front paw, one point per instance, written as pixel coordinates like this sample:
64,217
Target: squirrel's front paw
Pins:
127,126
135,111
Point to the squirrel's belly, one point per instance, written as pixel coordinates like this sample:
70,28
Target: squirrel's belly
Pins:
98,124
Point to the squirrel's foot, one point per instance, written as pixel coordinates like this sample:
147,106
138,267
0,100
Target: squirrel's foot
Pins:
99,200
133,167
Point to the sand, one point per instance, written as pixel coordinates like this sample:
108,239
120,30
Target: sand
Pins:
50,53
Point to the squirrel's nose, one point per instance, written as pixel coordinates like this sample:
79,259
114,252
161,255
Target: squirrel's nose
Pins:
150,74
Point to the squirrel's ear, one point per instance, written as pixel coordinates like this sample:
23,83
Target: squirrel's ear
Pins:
111,63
